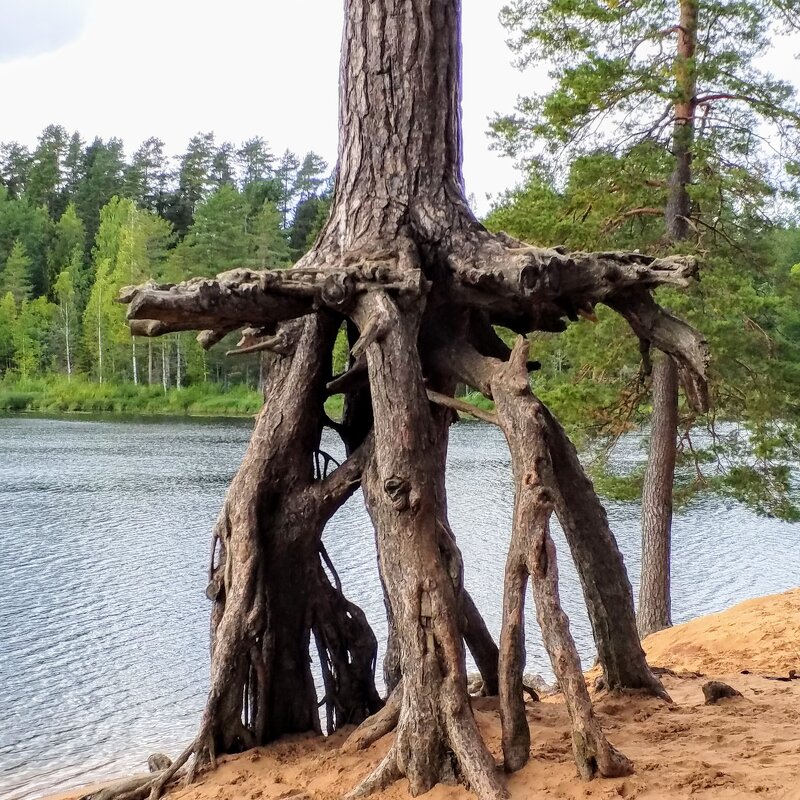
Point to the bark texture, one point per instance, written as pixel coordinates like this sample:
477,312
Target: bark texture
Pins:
679,205
532,553
419,283
654,612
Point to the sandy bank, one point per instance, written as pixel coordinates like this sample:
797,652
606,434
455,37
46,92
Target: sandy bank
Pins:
742,748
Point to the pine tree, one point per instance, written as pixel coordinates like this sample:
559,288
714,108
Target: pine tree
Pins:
310,177
223,170
46,175
660,74
69,235
147,177
15,162
219,238
74,166
678,81
271,248
8,317
286,175
194,181
104,179
16,275
255,161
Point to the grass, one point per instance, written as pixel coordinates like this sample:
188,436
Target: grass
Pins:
60,396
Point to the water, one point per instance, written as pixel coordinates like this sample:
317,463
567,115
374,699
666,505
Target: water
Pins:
104,536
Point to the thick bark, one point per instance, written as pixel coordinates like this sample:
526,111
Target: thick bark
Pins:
435,718
598,560
268,587
533,554
654,612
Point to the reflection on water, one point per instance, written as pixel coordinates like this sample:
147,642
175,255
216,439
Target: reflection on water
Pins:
104,535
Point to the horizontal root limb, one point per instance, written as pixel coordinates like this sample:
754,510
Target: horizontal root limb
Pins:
376,726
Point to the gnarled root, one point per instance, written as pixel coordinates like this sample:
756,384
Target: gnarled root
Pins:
436,727
598,561
376,726
533,553
347,650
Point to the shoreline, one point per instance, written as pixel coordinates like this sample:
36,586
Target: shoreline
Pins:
737,749
121,401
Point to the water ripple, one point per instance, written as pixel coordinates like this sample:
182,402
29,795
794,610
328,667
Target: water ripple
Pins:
104,530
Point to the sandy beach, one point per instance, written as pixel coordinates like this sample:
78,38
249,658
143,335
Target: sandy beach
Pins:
740,748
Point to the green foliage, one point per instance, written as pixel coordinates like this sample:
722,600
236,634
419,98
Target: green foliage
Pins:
8,319
600,148
77,223
269,239
16,275
616,77
31,336
219,237
57,395
747,304
69,236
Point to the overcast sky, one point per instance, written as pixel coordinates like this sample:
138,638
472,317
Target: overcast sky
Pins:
171,68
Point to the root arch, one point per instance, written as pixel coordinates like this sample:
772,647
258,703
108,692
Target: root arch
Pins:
403,262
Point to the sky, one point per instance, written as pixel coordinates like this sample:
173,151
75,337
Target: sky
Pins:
171,68
241,68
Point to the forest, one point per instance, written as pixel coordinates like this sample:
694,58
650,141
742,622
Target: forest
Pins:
79,221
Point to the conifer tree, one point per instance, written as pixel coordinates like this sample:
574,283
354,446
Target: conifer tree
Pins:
69,235
678,86
16,275
8,318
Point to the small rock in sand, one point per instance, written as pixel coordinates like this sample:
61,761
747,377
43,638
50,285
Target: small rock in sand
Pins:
717,690
158,762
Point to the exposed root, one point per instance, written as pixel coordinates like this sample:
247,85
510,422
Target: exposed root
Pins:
197,749
376,726
598,560
386,773
533,553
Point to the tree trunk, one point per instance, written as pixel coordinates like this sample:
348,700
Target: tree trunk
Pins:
678,201
150,368
100,338
269,589
405,262
654,611
165,364
67,339
435,719
178,365
134,364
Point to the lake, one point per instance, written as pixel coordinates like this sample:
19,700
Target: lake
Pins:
104,534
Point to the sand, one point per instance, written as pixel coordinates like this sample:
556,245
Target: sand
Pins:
746,747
